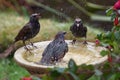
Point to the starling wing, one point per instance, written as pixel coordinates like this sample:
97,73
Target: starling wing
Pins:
25,33
55,50
60,50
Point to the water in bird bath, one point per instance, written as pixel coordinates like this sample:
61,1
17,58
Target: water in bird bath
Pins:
80,53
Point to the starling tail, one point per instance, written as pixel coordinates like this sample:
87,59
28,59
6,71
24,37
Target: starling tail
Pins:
7,51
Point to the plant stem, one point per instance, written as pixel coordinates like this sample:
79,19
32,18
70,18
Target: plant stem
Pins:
79,7
49,9
89,14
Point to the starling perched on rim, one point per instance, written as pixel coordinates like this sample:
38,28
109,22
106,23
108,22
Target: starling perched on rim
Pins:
29,31
78,30
55,50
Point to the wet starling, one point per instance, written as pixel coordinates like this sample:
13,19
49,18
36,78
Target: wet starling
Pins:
29,31
78,30
55,50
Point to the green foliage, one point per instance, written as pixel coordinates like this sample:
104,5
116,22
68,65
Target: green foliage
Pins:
98,72
35,78
109,12
95,77
104,52
72,66
10,70
117,36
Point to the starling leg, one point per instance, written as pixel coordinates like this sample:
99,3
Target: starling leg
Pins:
85,42
73,42
32,44
26,47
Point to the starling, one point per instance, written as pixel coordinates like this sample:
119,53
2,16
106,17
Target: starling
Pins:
78,30
29,31
55,50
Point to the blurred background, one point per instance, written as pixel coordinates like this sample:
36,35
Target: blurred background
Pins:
56,15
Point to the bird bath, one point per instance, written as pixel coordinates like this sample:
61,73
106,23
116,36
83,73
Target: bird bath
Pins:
80,53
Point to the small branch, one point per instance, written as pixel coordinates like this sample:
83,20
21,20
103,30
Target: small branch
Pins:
49,9
91,15
92,5
79,7
8,4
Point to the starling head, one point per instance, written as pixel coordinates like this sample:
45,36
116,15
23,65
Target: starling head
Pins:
34,17
60,35
78,22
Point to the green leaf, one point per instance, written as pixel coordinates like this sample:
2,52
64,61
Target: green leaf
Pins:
118,75
98,72
72,66
104,44
116,47
104,53
117,35
74,76
99,36
35,78
47,78
83,76
55,73
60,70
108,34
94,77
109,12
113,16
112,77
84,66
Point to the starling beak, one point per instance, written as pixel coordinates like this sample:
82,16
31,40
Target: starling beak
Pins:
78,30
56,50
64,32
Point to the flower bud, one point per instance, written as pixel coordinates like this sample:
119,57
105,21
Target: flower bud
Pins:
109,58
97,42
116,21
26,78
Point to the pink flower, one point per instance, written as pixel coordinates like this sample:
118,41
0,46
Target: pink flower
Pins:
117,5
116,21
97,42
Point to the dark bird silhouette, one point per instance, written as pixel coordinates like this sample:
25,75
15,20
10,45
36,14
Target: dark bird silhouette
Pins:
55,50
78,30
29,31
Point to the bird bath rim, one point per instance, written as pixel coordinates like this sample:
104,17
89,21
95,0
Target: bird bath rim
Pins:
24,63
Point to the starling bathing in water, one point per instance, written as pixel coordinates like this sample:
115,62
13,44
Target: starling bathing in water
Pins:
29,31
55,50
78,30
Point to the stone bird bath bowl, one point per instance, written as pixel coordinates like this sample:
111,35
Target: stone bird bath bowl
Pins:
88,54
